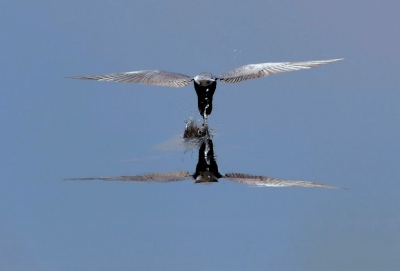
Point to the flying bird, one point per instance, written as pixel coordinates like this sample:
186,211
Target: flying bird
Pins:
205,83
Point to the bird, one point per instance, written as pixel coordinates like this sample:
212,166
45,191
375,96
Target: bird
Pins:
205,83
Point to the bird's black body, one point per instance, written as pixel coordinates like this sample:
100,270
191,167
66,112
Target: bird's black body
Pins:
205,97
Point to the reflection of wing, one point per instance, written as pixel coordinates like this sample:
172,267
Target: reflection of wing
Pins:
152,77
260,181
155,177
263,69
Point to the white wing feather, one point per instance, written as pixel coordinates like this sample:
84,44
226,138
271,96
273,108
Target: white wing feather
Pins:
151,77
252,71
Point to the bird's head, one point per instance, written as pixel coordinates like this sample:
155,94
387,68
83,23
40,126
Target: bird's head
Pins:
205,79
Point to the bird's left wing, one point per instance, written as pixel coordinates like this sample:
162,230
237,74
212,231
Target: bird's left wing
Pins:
154,177
252,71
151,77
264,181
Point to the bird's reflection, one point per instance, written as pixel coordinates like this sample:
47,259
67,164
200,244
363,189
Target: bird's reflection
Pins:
207,168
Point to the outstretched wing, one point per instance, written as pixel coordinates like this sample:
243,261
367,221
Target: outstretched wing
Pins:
252,71
151,77
264,181
155,177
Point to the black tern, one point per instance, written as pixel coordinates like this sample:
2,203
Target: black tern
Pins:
205,83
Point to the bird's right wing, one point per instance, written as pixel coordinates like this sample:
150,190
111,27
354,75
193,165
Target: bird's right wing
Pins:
264,181
154,177
151,77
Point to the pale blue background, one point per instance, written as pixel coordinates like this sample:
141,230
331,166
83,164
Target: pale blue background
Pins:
337,124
